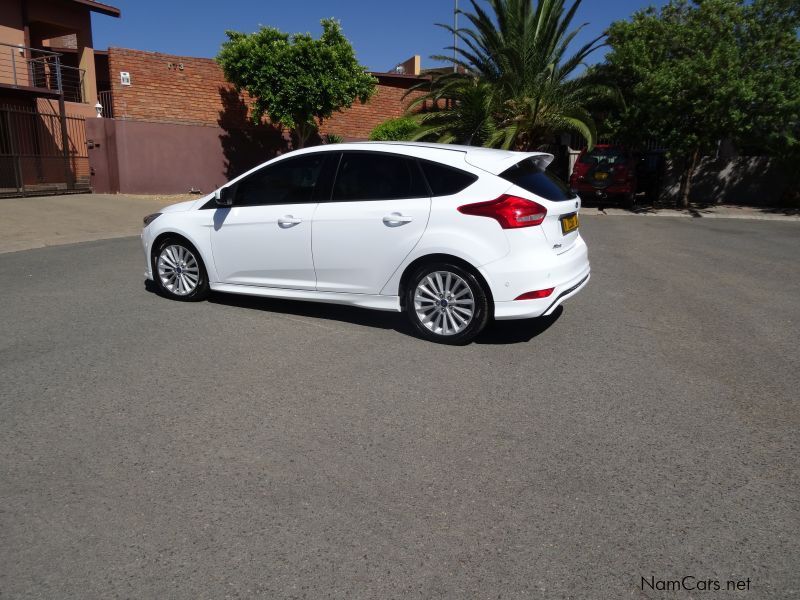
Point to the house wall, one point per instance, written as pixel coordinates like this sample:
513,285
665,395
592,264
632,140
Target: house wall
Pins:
11,24
161,91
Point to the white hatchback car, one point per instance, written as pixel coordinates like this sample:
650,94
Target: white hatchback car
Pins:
451,235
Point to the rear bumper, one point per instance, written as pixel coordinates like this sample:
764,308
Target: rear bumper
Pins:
588,189
528,309
568,274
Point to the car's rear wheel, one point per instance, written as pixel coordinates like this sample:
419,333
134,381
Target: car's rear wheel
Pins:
178,271
446,303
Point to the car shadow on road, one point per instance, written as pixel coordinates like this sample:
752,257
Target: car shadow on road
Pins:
517,331
496,332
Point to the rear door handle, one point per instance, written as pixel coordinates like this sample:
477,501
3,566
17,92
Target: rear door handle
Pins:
289,220
396,218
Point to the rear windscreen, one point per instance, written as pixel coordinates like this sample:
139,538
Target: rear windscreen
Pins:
603,155
529,176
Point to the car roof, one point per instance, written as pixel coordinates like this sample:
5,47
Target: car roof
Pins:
488,159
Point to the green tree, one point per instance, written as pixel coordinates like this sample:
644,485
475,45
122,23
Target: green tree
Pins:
295,80
695,73
516,82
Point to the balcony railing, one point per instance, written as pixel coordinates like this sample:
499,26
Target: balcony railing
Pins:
40,70
106,100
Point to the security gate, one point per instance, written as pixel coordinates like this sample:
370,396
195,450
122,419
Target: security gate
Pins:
36,157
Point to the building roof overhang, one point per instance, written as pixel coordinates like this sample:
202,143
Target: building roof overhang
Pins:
99,7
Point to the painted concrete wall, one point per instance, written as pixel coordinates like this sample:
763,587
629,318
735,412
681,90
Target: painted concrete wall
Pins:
136,157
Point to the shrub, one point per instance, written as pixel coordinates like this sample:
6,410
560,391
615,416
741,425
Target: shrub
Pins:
394,130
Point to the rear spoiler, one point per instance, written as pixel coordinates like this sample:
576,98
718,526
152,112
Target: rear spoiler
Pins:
497,161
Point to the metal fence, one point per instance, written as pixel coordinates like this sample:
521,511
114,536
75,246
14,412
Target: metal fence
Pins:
42,152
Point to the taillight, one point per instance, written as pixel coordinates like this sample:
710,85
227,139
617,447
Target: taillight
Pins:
511,212
535,295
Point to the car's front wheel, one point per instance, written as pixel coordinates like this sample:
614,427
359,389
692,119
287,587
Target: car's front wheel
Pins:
446,303
178,271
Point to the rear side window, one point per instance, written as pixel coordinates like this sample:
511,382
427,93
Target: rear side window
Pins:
444,180
373,176
529,176
289,181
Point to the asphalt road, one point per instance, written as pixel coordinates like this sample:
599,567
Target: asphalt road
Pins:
242,447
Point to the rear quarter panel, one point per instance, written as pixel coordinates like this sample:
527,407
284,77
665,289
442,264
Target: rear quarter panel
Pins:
476,240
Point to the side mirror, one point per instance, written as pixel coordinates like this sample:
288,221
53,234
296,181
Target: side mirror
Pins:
224,196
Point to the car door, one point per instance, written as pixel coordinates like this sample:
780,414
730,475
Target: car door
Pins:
377,212
264,238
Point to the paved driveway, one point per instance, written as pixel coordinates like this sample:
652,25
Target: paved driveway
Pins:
244,447
52,220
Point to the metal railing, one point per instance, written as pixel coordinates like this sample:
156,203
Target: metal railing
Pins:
40,70
106,100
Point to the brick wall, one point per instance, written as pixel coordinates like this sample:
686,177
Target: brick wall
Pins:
198,94
160,91
387,103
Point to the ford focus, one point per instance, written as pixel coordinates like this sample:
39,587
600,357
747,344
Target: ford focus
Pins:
453,236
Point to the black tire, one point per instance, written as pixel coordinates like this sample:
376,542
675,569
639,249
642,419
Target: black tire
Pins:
426,328
200,290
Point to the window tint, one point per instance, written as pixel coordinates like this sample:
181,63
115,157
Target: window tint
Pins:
289,181
444,180
373,176
528,175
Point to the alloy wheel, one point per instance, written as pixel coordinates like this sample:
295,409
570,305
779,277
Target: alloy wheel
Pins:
444,303
178,270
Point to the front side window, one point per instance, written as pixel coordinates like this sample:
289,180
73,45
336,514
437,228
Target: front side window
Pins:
374,176
528,175
290,181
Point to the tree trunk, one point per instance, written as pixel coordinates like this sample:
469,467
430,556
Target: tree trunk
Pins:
302,134
300,138
686,183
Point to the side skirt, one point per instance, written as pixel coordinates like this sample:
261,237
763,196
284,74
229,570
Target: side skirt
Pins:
388,303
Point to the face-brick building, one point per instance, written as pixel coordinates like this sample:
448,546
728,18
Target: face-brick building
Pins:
50,77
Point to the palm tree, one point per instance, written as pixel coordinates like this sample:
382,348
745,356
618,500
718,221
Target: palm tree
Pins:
514,84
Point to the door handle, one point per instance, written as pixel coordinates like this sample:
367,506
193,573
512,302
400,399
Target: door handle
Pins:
288,221
396,218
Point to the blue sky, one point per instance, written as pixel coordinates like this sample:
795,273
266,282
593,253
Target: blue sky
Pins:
383,33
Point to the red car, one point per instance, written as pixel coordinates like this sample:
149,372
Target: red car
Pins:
605,171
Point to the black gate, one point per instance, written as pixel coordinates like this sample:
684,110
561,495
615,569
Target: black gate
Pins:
36,157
